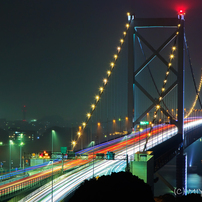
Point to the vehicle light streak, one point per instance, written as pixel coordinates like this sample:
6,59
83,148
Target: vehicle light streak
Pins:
135,142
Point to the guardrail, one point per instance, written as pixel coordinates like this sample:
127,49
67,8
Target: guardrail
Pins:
25,185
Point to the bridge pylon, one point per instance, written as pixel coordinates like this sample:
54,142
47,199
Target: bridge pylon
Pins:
178,36
134,71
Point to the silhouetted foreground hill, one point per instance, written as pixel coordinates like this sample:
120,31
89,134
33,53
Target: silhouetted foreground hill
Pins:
122,186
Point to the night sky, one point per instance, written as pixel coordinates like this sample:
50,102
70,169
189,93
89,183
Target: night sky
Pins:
54,53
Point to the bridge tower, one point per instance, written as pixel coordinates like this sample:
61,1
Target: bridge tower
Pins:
178,34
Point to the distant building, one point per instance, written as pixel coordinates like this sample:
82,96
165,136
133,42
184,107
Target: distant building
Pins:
21,135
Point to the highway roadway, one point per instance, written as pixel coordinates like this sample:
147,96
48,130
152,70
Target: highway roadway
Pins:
130,144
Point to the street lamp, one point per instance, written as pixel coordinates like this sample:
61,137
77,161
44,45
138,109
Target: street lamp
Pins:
53,132
21,144
10,143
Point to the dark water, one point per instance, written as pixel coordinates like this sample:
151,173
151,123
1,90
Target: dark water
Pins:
194,171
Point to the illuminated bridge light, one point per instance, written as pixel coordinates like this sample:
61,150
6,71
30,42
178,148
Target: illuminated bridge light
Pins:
127,26
84,124
115,56
171,56
112,64
108,73
88,115
167,72
128,13
101,89
173,48
73,142
93,106
105,81
97,97
79,134
165,81
124,33
169,64
121,40
114,121
118,48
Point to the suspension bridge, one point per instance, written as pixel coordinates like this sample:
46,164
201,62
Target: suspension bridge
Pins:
141,105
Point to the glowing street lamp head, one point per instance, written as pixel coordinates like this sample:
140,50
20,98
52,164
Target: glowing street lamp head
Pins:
22,143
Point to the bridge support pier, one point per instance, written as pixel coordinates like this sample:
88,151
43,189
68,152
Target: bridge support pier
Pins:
181,174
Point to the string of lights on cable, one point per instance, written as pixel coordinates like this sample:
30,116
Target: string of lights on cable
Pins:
105,81
196,98
162,93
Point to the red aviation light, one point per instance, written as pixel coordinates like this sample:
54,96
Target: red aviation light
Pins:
181,12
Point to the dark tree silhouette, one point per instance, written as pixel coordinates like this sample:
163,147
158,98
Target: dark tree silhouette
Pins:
122,186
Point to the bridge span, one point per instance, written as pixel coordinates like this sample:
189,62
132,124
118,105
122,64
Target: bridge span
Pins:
124,146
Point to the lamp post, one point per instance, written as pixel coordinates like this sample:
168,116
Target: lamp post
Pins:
10,143
21,144
52,132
